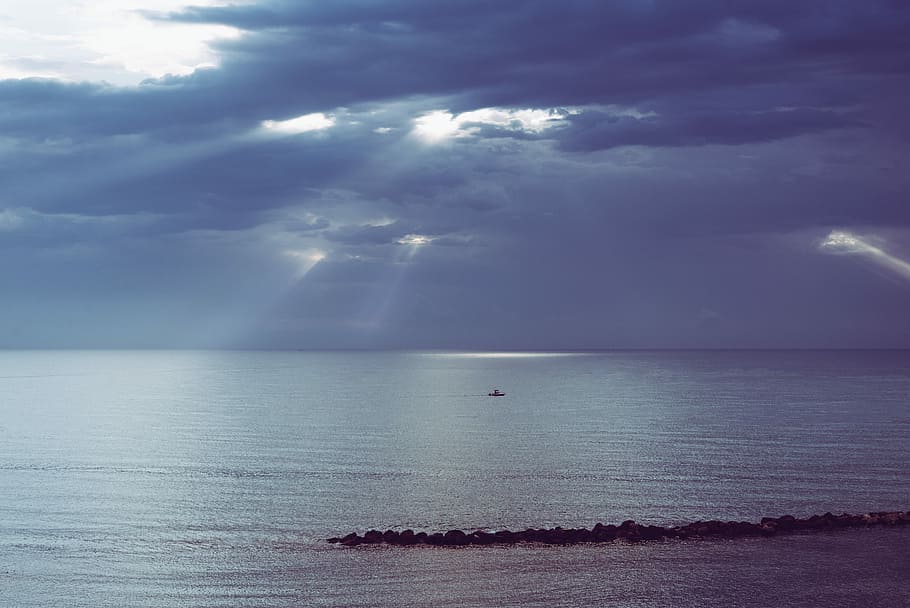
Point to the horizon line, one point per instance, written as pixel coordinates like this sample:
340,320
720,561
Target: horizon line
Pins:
463,349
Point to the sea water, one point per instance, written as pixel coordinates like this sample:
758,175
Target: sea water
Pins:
191,479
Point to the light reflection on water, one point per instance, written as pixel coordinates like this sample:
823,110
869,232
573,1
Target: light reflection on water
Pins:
502,354
210,478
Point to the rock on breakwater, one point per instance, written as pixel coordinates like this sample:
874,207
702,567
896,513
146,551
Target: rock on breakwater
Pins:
629,531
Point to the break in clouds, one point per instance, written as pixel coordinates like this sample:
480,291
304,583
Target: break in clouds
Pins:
469,174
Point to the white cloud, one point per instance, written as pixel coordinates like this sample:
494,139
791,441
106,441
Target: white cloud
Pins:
301,124
415,240
529,121
839,241
107,40
439,125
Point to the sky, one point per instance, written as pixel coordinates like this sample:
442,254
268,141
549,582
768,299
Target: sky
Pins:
455,174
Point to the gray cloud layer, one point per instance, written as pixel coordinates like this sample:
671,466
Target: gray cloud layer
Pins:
703,151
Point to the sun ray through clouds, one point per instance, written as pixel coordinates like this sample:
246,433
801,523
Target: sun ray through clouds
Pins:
378,310
847,243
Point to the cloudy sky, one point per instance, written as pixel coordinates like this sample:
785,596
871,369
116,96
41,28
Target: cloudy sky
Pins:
405,173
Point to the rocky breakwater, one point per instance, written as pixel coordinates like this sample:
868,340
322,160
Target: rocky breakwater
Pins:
629,531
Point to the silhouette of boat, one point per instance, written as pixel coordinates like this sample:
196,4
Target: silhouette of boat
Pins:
496,393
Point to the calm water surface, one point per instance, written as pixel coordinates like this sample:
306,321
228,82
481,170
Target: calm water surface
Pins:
211,478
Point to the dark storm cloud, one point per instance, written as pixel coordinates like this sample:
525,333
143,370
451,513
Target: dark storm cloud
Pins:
703,151
598,130
186,177
577,52
310,56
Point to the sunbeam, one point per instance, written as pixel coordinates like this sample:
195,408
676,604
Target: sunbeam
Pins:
377,314
842,242
413,243
306,260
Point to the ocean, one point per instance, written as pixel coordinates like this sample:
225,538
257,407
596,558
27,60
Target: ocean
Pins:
212,479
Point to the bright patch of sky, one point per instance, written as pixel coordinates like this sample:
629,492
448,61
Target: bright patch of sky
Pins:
305,260
301,124
439,125
839,241
102,40
504,355
843,242
415,240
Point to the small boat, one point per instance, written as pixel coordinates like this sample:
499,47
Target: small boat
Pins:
496,393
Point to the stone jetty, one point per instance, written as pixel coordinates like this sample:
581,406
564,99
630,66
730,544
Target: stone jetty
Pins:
629,531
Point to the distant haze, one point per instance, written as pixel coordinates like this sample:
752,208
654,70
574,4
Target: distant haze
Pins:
482,175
